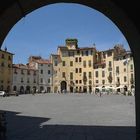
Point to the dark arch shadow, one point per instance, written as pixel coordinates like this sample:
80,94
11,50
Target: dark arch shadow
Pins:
21,127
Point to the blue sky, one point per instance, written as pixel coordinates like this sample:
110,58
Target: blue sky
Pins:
41,31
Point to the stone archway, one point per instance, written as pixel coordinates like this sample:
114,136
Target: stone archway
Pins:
12,11
63,86
28,88
15,88
21,90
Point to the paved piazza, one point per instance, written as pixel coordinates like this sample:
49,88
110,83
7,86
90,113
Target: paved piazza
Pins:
69,117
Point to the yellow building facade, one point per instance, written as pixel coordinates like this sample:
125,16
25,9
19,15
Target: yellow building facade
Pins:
6,61
83,69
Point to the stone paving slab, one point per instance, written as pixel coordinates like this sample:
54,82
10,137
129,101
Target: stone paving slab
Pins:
69,117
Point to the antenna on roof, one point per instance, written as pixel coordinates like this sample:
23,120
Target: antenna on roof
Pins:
5,48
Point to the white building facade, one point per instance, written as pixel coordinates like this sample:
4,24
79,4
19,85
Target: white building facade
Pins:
25,79
45,73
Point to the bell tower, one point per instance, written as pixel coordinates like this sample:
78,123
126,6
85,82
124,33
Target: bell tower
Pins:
71,44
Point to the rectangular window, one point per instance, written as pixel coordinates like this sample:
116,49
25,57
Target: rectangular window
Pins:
89,75
131,67
84,73
63,63
22,80
41,71
55,63
80,81
90,82
49,80
118,80
103,82
124,69
71,76
132,75
96,81
41,80
49,72
80,59
96,73
76,81
117,70
103,73
2,56
78,52
34,81
89,63
63,74
80,70
110,73
110,64
2,64
125,79
76,70
84,64
76,59
9,57
71,63
28,80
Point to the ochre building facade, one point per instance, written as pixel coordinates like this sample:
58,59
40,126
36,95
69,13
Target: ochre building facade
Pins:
83,69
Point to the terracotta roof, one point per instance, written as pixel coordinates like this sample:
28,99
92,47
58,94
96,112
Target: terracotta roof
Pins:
42,61
23,66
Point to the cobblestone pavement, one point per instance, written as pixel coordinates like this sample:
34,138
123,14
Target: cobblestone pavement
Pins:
69,117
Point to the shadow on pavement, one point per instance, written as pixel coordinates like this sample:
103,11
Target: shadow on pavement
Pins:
31,128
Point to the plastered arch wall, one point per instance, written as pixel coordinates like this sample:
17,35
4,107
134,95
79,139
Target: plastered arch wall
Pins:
16,9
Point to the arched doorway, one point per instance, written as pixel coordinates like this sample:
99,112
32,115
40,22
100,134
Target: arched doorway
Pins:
71,89
34,89
109,8
14,88
27,89
63,86
8,89
85,89
1,88
21,90
41,89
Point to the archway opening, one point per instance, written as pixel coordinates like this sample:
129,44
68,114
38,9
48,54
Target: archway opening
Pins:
63,86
